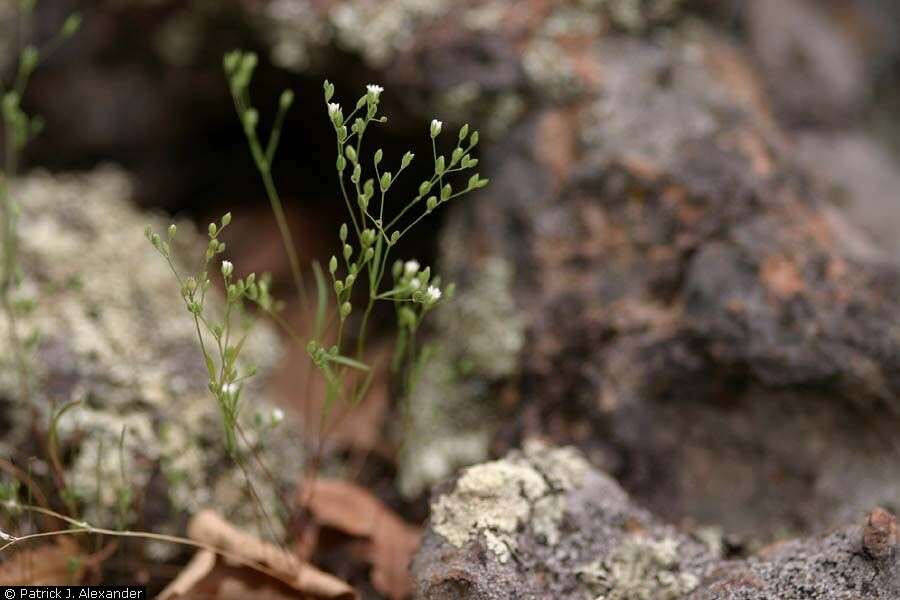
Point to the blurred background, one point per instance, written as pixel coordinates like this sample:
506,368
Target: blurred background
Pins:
685,264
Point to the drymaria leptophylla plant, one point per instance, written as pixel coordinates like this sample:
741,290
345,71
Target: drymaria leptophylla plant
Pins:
221,336
377,223
19,129
362,272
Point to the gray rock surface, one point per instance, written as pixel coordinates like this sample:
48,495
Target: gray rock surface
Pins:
540,523
115,335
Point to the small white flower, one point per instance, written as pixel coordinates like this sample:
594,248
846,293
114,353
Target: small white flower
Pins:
415,284
374,91
432,294
277,416
230,389
334,109
410,267
227,268
436,127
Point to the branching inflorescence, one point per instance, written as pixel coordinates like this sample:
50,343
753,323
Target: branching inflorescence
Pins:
358,272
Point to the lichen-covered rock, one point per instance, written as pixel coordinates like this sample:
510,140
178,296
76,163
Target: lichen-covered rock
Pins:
541,523
486,540
114,334
699,316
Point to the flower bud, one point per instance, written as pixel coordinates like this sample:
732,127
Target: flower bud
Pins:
71,25
407,158
287,98
227,269
436,128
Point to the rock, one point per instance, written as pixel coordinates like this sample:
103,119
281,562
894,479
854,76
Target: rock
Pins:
487,539
114,334
700,317
541,523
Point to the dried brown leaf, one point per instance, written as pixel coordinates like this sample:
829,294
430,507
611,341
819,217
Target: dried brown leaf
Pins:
209,528
60,563
356,512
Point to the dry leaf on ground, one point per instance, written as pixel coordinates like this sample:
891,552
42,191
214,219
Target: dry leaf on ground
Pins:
389,541
280,574
60,563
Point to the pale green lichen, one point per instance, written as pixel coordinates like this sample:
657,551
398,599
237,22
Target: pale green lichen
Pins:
451,413
116,336
375,30
546,60
493,501
635,16
640,568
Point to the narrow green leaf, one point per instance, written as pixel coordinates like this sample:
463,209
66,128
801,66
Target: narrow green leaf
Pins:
321,300
349,362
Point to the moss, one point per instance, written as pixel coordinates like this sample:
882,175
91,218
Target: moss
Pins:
640,568
493,501
115,335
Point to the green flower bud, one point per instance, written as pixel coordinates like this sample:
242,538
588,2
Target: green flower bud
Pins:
385,182
463,132
474,139
213,230
378,155
439,165
407,158
341,163
350,151
446,191
230,61
71,25
287,98
345,310
226,219
29,58
329,90
431,203
394,237
348,251
333,265
338,286
436,128
342,233
172,231
251,119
